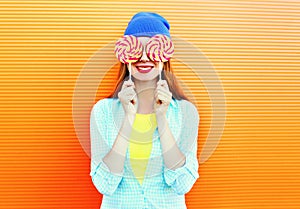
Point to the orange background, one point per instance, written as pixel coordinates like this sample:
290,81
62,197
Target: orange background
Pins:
253,46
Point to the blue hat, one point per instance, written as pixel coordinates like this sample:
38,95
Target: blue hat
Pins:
147,24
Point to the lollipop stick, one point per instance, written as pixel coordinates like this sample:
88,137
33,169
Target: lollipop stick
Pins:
132,101
129,71
160,69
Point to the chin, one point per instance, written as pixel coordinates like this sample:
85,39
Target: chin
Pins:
145,78
151,75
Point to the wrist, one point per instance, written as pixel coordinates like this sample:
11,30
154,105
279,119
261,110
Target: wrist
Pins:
160,116
162,123
127,125
130,117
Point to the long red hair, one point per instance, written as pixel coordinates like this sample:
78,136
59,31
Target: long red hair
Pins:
167,74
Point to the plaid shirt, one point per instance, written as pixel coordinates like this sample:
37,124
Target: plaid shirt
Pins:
162,188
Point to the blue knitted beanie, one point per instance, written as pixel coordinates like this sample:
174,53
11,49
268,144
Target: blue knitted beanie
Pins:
147,24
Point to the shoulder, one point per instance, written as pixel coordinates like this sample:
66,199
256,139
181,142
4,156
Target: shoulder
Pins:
103,104
186,105
102,107
188,109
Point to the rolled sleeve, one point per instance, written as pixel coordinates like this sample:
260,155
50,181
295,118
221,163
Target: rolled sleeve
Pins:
183,178
105,181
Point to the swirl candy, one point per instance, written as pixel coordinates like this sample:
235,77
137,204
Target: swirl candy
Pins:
128,49
160,48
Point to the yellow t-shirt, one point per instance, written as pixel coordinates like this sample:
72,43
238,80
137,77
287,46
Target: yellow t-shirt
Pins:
140,143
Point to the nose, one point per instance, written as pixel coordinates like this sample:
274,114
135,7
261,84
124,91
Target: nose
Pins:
144,57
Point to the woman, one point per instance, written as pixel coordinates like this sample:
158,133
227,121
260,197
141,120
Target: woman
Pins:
144,137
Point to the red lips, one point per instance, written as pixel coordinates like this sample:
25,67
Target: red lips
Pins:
144,68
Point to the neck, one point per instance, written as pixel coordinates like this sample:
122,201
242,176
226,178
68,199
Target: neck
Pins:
145,95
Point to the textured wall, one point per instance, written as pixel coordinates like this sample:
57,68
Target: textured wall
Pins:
250,55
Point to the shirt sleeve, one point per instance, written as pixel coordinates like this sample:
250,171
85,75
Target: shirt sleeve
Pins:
183,178
105,181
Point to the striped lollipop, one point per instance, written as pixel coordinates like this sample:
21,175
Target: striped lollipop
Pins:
128,49
160,48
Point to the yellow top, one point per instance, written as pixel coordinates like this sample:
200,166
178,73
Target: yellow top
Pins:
140,143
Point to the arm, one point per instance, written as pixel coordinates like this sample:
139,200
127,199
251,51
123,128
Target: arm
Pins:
115,158
173,157
106,164
181,164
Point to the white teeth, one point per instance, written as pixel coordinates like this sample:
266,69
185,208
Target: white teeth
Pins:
144,68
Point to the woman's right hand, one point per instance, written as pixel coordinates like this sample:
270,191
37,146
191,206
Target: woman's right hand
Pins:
128,97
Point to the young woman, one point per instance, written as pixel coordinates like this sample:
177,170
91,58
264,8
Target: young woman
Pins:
144,137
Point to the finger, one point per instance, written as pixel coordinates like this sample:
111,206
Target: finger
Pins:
164,92
162,98
157,101
161,89
134,100
130,82
160,83
127,94
165,98
131,98
128,90
163,85
127,84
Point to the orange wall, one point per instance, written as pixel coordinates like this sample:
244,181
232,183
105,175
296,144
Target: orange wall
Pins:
251,47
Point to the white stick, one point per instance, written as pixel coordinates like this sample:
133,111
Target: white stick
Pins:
129,71
160,69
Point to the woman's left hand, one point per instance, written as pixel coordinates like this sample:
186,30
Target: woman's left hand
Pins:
162,97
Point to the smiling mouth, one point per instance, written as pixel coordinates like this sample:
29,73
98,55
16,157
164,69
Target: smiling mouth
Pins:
144,68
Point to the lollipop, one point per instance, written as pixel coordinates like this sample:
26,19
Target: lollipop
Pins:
128,49
160,49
